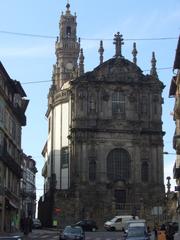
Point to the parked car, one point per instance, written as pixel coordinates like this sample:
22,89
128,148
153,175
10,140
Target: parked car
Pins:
175,226
134,221
118,222
72,233
87,225
137,231
36,223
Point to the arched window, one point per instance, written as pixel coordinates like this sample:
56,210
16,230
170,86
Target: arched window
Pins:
68,31
144,172
92,170
118,165
144,106
118,103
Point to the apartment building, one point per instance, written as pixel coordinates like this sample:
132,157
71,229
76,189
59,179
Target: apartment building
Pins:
12,117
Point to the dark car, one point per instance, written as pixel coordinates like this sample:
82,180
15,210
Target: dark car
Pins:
137,233
36,223
72,233
87,225
175,226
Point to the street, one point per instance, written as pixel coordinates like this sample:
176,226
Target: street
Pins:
99,235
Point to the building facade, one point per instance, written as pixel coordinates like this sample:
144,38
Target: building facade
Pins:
104,152
28,187
175,92
12,117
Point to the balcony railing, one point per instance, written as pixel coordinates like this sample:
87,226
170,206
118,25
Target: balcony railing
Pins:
11,163
44,170
176,172
176,143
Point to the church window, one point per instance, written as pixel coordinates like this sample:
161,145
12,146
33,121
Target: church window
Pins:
68,31
155,104
118,165
144,172
144,105
118,102
92,170
64,157
120,198
92,104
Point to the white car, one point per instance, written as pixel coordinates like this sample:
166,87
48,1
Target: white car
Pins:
118,223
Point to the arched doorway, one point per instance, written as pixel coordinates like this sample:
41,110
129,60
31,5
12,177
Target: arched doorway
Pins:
118,171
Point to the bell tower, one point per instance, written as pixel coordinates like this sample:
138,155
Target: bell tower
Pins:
67,49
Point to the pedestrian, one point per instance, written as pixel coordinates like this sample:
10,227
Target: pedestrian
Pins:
155,232
30,223
162,233
170,232
22,224
26,225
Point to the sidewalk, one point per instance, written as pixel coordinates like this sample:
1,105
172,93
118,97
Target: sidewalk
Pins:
19,234
177,236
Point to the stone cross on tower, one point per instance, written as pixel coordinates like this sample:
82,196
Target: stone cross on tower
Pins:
118,41
68,6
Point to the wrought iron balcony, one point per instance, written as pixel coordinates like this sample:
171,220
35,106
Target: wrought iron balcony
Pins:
44,170
11,163
176,143
21,116
176,171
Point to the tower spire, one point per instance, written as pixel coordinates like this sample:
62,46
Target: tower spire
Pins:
101,51
67,48
134,53
153,71
81,63
118,41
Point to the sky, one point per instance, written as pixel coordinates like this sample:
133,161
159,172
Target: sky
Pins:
28,31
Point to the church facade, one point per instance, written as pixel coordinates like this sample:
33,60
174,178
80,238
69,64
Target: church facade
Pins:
104,151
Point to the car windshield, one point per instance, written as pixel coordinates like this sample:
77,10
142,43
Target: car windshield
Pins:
114,219
72,230
136,232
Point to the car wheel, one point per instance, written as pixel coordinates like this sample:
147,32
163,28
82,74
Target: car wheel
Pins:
113,229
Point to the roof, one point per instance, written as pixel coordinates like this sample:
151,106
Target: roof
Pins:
137,224
118,65
120,71
15,85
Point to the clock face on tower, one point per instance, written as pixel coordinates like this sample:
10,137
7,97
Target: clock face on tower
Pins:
69,66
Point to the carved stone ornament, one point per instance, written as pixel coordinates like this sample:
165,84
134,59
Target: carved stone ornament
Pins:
132,98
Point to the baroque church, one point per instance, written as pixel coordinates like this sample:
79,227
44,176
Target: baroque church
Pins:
104,149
